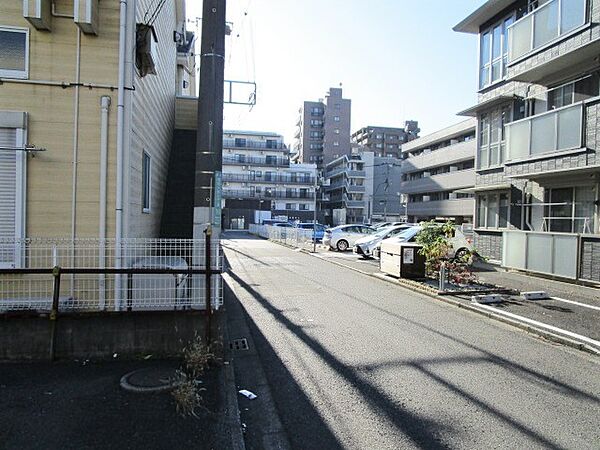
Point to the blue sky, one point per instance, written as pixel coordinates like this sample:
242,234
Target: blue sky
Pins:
396,59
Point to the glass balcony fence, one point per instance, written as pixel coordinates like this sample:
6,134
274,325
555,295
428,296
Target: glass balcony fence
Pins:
543,25
248,143
553,131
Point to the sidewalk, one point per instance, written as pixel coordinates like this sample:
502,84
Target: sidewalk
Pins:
572,309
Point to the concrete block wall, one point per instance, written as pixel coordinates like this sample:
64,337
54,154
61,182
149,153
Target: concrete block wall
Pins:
100,335
489,244
590,259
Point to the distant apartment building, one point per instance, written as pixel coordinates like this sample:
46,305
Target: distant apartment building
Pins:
437,171
385,141
361,188
59,92
259,182
537,166
323,129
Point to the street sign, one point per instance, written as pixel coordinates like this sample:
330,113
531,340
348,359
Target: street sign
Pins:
218,199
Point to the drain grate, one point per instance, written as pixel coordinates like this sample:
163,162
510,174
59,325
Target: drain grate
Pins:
239,344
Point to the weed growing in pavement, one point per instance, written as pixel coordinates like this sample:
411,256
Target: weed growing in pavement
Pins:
187,395
197,358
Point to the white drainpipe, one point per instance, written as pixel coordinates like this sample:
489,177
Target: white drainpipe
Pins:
120,148
75,156
104,105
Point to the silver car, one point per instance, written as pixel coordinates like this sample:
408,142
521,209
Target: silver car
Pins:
365,246
344,237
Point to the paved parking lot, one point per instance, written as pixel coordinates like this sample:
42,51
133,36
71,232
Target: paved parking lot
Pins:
572,308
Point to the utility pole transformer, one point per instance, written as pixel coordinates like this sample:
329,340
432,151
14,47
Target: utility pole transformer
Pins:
209,139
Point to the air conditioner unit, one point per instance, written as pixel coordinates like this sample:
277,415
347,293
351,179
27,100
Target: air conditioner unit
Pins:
85,15
145,43
38,13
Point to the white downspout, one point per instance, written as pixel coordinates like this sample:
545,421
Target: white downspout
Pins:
104,106
120,148
75,156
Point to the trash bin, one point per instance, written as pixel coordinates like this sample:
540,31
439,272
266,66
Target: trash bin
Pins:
402,260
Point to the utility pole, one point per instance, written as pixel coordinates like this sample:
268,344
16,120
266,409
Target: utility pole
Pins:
209,140
314,236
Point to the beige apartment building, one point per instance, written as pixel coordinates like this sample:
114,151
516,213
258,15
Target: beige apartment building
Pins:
87,115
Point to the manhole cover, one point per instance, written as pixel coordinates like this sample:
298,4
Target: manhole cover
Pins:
239,344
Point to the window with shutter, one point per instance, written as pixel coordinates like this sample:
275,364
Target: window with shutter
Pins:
12,163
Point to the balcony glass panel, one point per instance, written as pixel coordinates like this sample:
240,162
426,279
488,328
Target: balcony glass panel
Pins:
519,38
569,128
543,132
545,24
551,20
572,14
518,140
540,134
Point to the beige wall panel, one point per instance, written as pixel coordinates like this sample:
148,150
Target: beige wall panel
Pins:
152,125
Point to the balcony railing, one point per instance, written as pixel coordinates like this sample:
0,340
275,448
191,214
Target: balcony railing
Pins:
353,203
355,188
543,25
357,173
233,143
256,160
557,130
286,179
335,171
266,195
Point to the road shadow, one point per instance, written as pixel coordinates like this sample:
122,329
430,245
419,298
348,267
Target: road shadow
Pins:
303,425
423,432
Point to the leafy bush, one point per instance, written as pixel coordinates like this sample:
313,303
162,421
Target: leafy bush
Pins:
435,241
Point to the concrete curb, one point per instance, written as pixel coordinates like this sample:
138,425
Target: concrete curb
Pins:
430,292
232,408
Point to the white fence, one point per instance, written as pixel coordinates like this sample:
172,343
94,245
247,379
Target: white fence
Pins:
294,237
547,253
135,274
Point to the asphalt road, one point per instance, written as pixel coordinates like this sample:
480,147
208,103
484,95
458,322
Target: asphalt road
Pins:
354,362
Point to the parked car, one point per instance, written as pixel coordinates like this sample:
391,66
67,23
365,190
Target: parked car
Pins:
319,229
381,224
365,246
283,224
344,237
460,244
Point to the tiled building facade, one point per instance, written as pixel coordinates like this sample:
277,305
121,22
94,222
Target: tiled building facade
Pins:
537,126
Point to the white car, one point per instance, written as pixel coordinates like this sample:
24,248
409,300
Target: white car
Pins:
365,246
344,237
460,244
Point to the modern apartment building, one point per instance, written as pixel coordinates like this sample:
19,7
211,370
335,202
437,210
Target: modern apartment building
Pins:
86,119
385,141
259,182
362,187
323,129
537,164
436,171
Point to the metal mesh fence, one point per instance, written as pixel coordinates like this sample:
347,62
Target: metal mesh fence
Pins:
151,274
294,237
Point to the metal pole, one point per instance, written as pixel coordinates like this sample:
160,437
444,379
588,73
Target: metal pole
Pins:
208,267
54,310
314,235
